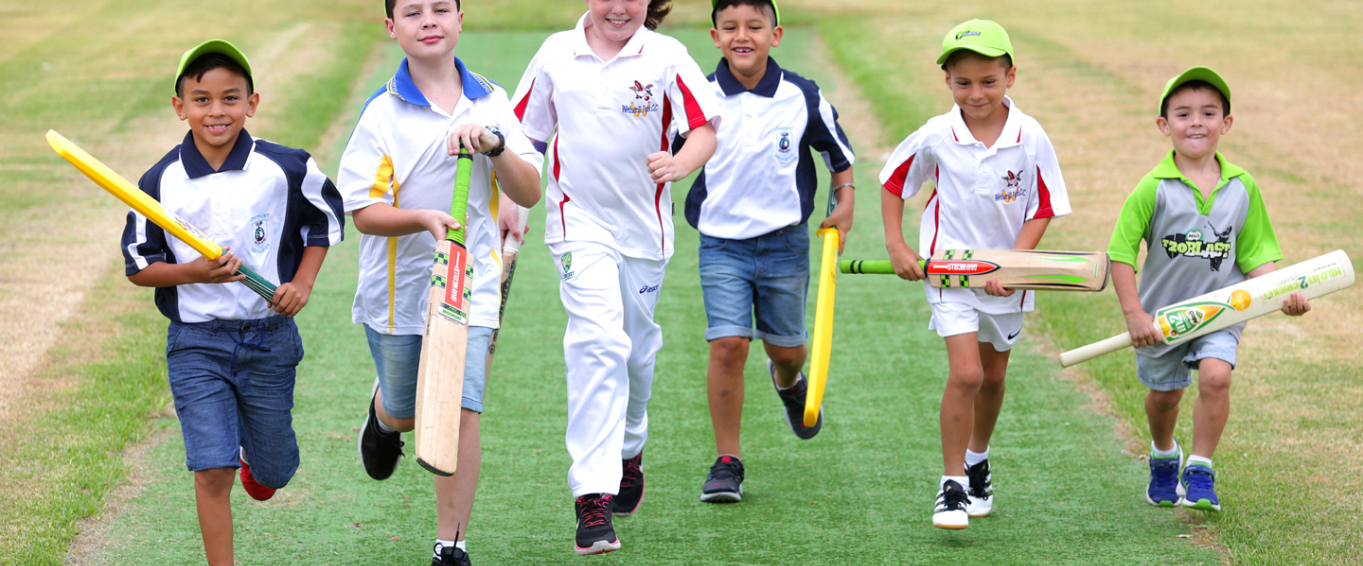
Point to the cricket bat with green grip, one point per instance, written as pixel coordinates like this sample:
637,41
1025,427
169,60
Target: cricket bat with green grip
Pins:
1015,269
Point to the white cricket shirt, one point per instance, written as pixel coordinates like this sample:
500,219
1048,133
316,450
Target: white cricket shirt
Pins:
610,116
266,202
983,195
397,155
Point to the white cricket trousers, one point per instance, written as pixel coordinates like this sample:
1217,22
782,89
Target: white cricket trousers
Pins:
609,348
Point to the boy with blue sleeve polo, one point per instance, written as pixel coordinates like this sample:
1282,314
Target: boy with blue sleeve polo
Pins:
751,203
231,356
1205,225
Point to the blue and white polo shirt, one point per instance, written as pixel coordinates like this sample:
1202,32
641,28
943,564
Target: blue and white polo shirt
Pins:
762,176
267,202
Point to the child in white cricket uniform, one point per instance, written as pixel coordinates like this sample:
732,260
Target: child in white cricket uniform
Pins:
612,88
998,184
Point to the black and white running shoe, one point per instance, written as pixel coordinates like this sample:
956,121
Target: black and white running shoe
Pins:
631,493
981,490
595,533
724,484
379,451
949,511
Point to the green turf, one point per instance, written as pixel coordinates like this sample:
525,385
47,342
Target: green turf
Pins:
860,493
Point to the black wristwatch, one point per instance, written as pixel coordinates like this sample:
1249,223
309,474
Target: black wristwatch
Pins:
501,145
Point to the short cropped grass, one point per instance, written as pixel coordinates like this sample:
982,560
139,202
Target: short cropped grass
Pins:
860,493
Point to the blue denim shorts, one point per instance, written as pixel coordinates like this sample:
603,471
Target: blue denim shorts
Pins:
232,381
1174,369
398,356
766,278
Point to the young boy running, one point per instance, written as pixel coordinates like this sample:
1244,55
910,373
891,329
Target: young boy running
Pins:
612,88
998,185
232,356
397,177
1192,195
750,204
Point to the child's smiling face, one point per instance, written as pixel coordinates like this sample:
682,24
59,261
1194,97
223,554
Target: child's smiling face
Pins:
978,84
1195,122
216,106
745,35
615,21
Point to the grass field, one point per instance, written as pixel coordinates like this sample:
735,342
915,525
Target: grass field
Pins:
860,492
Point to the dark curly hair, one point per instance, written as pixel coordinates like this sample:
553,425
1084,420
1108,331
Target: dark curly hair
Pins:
657,10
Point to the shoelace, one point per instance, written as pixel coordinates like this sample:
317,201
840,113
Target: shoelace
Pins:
979,481
1199,480
1165,472
953,499
595,514
632,470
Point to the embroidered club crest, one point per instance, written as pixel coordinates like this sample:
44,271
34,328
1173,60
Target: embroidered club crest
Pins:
260,233
567,261
1012,188
643,100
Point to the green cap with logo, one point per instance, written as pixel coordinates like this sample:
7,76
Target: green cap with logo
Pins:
981,36
774,9
1196,74
220,46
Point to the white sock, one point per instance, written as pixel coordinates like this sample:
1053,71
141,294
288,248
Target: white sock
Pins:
1195,459
384,428
439,544
963,480
972,458
1157,453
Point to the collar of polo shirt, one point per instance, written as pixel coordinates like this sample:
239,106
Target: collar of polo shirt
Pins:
475,86
771,79
196,166
635,46
1011,134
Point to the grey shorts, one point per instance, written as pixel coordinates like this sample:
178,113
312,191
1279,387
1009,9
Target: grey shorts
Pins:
1174,369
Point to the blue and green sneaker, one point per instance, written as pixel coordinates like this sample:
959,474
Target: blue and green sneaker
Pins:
1199,483
1164,489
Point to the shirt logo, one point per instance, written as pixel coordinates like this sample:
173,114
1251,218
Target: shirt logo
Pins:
567,266
784,145
643,101
1012,189
648,289
260,233
1194,244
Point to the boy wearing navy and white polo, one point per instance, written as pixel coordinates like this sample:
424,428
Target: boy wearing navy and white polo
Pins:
751,204
232,356
998,185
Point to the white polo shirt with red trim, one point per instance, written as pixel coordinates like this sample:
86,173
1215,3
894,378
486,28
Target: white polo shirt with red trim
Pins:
609,117
982,196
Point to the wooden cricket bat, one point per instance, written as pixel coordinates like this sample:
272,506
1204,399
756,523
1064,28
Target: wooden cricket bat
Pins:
444,343
1253,298
140,201
510,250
1015,269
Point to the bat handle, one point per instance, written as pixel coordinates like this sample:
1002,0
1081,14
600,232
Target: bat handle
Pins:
513,246
1095,349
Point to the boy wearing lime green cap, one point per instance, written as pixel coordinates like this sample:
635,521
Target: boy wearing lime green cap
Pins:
231,355
1206,227
997,185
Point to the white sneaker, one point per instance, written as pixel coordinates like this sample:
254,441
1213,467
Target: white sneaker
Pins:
950,509
981,491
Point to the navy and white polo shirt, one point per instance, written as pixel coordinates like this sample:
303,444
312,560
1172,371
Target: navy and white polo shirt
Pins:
762,176
267,202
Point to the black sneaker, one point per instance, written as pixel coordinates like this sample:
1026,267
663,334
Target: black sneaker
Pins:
595,534
725,482
981,491
450,556
949,510
794,400
631,487
379,451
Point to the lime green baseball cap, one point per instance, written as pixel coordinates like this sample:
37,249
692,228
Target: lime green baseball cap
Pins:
774,9
1196,74
981,36
220,46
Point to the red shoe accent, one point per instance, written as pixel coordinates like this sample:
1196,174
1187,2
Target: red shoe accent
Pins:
252,487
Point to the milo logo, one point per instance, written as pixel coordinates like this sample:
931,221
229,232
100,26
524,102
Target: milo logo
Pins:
1180,321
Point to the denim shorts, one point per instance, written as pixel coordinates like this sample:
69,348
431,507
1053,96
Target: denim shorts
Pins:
398,356
232,381
1174,369
766,278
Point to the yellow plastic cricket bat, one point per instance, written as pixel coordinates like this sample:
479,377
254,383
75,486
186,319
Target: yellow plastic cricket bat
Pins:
823,325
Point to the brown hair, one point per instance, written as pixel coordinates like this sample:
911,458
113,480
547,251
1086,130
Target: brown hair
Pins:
1194,85
657,10
388,6
955,57
205,63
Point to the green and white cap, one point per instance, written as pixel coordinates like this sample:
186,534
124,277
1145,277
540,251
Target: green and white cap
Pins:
220,46
776,10
1196,74
981,36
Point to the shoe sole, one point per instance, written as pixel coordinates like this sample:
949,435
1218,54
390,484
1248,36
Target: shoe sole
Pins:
598,547
723,496
950,526
1202,505
948,523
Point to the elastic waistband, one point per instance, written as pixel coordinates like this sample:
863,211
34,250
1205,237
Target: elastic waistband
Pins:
267,324
779,232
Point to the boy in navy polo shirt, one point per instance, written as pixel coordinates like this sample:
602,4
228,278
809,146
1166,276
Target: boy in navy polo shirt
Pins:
231,355
751,204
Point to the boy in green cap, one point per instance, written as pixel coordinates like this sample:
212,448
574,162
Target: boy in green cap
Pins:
1193,196
998,185
231,355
